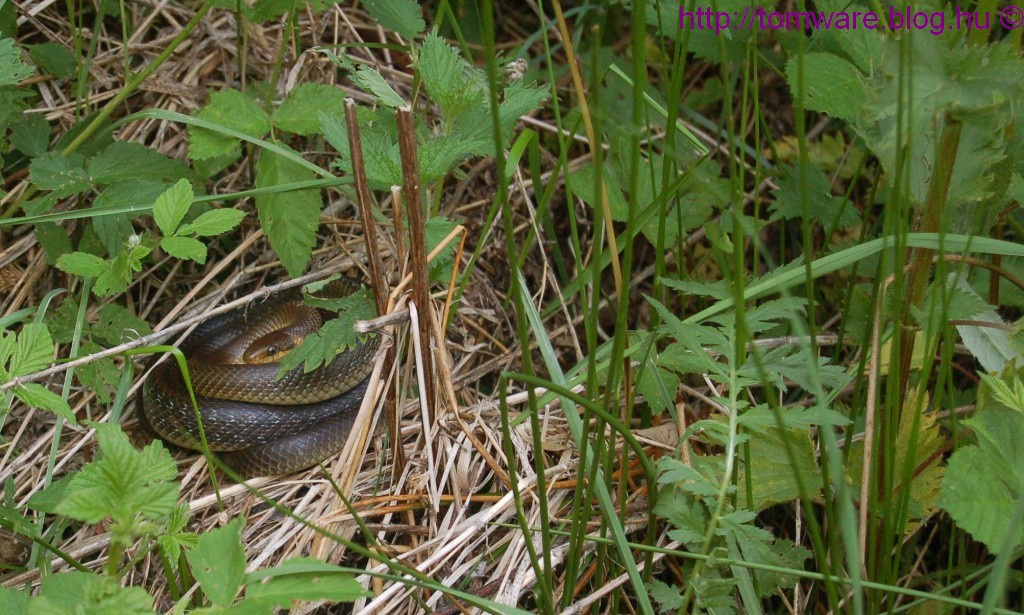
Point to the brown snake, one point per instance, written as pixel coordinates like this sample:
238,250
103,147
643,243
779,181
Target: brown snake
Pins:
257,424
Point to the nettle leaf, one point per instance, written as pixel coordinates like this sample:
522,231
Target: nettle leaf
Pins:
185,248
64,175
372,82
443,72
12,69
122,483
218,562
213,222
303,578
36,395
230,109
984,481
298,112
171,206
520,99
401,16
83,592
122,161
831,84
290,219
334,336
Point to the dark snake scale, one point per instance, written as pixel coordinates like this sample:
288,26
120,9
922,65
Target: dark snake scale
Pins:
258,425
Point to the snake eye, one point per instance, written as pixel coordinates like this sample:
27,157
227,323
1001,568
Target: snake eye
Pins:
272,350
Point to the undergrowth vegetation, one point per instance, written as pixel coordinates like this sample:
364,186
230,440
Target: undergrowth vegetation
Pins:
677,321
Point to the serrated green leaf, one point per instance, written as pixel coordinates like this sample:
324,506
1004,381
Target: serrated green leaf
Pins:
983,483
218,562
114,322
12,69
213,222
89,594
831,84
33,350
82,264
113,229
64,175
36,395
121,161
298,112
290,220
775,478
231,109
53,58
829,211
442,71
122,483
54,241
402,16
171,206
31,136
185,248
371,82
117,278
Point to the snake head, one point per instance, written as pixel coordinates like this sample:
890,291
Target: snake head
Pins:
271,348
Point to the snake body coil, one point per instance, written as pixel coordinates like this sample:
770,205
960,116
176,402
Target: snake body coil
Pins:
260,425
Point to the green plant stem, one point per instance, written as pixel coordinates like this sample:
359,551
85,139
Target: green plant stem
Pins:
137,80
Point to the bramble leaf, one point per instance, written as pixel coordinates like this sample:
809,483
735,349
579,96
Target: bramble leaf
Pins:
290,220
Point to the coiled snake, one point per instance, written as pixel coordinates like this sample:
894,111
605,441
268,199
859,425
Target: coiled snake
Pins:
260,425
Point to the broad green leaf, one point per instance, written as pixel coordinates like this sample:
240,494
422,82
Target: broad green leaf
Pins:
774,477
64,175
112,229
33,350
185,248
15,602
82,264
31,135
583,185
334,336
829,211
290,220
831,84
984,482
54,240
122,483
992,346
444,75
117,278
231,109
36,395
53,58
122,160
88,594
117,324
171,206
12,69
402,16
218,562
213,222
298,112
371,82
